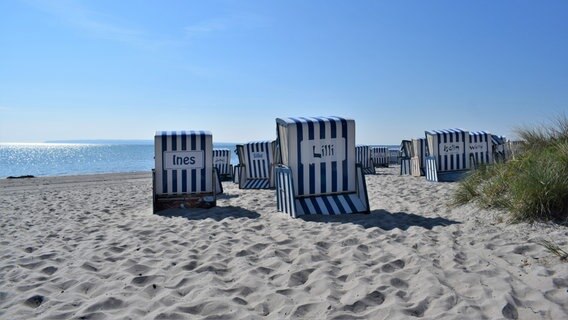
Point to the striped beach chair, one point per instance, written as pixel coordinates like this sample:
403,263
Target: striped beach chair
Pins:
364,158
256,165
222,161
394,155
448,158
184,175
406,149
513,148
499,151
418,159
405,156
380,156
480,148
318,173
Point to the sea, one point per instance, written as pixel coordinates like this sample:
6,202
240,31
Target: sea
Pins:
74,158
83,157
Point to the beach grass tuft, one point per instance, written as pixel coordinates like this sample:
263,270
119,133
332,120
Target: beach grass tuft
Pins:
533,187
553,248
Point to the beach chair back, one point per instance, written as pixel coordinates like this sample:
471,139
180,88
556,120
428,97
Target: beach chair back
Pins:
450,148
183,162
320,153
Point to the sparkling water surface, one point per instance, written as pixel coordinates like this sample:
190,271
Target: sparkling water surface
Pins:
56,159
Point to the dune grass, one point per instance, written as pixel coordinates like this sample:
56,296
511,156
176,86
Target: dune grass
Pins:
534,187
554,249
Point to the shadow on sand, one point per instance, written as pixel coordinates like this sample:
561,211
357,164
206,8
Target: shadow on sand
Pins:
384,220
216,213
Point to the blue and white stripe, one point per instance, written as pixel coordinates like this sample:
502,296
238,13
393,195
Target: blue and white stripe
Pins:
450,148
431,169
380,156
480,148
183,179
222,161
363,155
320,152
405,169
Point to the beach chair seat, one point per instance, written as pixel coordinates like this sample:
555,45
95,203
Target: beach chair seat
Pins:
406,153
184,175
318,173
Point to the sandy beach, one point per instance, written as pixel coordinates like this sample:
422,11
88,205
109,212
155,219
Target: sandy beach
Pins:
89,247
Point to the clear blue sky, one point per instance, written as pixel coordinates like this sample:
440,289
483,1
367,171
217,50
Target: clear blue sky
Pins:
124,69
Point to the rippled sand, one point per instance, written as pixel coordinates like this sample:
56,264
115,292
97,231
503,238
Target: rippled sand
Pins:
89,247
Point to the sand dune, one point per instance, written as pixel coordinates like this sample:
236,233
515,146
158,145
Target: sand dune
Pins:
89,247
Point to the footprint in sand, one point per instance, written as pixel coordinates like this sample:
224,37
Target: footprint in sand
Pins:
510,312
299,278
399,283
34,301
373,299
393,266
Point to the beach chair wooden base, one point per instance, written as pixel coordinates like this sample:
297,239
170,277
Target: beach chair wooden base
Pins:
193,201
201,200
333,204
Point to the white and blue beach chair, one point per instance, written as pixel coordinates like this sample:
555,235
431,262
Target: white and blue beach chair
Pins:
256,165
418,159
364,158
380,156
499,150
405,156
319,173
184,175
394,156
448,158
222,161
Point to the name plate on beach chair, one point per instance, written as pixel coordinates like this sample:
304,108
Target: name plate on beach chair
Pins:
183,160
